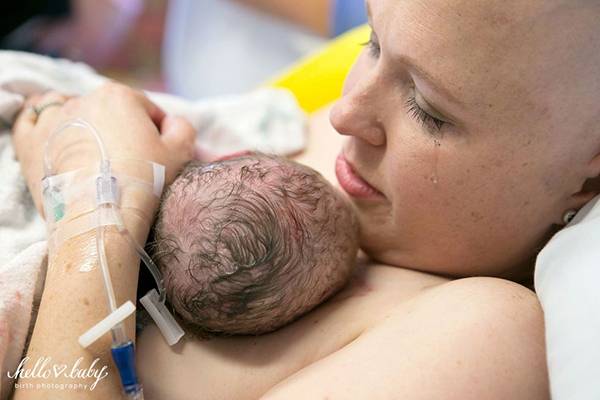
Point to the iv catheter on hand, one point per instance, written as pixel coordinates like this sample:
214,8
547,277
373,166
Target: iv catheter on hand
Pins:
106,202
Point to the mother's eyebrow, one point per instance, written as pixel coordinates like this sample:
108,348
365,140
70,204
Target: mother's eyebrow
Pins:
428,78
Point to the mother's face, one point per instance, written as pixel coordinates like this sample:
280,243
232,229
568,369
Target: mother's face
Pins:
474,122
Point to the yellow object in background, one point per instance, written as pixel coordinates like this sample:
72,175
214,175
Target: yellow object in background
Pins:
318,80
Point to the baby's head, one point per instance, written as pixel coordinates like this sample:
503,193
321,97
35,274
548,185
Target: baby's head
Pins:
246,245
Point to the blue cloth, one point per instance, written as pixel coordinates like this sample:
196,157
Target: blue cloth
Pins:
347,14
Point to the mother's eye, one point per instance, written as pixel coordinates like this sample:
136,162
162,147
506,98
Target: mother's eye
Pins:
431,123
424,118
373,45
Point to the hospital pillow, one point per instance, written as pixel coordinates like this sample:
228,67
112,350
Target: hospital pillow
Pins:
567,281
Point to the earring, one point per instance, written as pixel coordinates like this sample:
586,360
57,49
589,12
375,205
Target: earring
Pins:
569,215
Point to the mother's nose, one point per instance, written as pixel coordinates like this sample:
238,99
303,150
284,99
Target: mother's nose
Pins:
356,114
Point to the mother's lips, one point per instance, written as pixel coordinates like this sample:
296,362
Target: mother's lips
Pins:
351,182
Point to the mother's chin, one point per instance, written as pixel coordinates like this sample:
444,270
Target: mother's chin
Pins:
388,241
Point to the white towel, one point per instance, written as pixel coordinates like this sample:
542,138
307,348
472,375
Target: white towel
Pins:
21,285
266,120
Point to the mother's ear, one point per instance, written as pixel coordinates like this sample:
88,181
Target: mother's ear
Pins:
590,187
592,170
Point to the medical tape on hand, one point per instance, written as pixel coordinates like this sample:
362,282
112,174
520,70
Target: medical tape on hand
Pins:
70,199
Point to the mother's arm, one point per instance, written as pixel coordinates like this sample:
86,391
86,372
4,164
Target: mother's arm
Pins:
73,301
470,339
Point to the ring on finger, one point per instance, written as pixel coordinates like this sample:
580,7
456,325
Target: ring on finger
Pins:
39,109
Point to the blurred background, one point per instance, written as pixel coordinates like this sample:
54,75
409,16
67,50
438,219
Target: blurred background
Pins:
192,48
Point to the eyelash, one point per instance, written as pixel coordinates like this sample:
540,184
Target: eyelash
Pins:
414,110
374,49
422,116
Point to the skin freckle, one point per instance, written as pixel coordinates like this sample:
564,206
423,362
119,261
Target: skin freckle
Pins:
476,216
499,20
86,301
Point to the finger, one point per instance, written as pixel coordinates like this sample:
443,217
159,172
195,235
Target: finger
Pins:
178,135
49,107
33,100
25,121
29,125
157,115
113,88
27,117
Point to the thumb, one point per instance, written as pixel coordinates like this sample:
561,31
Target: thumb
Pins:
178,135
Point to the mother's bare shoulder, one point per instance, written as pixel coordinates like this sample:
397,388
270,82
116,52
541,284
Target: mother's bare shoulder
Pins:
472,338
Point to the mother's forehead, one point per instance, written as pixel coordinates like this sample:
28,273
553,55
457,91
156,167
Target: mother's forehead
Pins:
486,18
487,51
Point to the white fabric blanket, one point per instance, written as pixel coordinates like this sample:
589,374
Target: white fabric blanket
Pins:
266,120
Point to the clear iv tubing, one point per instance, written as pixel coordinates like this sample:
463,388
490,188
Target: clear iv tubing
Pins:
105,163
122,349
118,332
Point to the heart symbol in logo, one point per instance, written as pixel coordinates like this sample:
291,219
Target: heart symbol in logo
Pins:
58,370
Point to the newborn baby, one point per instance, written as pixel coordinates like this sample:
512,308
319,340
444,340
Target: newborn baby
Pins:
248,244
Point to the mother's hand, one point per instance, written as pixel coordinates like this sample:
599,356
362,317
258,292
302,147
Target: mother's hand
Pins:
131,127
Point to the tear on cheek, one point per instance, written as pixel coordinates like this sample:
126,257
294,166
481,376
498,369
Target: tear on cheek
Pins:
437,144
